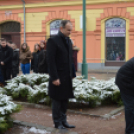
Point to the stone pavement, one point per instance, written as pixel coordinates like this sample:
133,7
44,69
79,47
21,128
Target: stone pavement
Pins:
84,124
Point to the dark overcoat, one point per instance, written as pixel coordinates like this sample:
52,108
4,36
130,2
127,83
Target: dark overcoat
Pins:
15,61
59,59
125,78
42,62
6,55
34,62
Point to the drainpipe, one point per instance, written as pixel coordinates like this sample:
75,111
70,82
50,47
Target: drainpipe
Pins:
24,20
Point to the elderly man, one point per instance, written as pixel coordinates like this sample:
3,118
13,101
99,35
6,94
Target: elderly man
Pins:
59,59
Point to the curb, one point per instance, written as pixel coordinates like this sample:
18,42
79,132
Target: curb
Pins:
49,129
106,116
113,112
101,71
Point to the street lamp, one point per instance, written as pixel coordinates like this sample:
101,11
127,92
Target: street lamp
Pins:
24,19
84,64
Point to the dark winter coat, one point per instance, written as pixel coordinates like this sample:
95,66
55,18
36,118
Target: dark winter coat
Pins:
34,62
6,55
59,59
42,62
125,78
73,71
15,61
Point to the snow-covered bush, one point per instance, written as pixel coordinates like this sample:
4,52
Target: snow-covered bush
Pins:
6,109
94,91
34,87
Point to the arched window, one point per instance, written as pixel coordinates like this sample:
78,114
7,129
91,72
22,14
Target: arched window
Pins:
11,32
115,31
54,27
10,27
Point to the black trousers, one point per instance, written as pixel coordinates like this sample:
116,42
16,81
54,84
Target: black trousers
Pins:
59,109
128,101
6,72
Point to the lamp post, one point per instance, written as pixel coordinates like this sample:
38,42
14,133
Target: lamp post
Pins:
24,20
84,64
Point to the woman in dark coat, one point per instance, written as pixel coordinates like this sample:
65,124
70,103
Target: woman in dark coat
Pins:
42,63
34,61
125,82
15,60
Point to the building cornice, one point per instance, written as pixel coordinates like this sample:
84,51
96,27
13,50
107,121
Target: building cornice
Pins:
63,3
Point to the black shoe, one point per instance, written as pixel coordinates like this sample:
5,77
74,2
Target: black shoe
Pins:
65,124
59,126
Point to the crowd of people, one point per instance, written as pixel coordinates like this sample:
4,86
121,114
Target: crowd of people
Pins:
11,58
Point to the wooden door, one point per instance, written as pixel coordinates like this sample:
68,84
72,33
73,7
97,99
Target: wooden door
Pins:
6,36
14,37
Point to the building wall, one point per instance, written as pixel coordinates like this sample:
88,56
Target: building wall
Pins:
40,15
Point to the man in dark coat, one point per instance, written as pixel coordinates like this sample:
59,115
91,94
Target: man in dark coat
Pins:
125,82
6,54
59,59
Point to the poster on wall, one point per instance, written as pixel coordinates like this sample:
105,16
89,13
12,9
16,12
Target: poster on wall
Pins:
54,27
116,27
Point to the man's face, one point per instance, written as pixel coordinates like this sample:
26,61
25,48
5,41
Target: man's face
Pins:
3,43
67,29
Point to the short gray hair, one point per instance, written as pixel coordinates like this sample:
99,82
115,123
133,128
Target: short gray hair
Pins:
64,22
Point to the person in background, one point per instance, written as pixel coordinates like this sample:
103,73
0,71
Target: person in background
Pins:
34,61
73,66
15,60
42,63
75,52
125,81
6,54
25,57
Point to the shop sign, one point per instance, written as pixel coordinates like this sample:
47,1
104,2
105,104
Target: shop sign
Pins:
54,27
115,27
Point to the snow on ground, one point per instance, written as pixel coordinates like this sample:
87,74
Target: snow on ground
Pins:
34,130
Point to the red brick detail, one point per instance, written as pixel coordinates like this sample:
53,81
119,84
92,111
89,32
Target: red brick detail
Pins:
127,15
56,15
114,11
106,12
110,13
